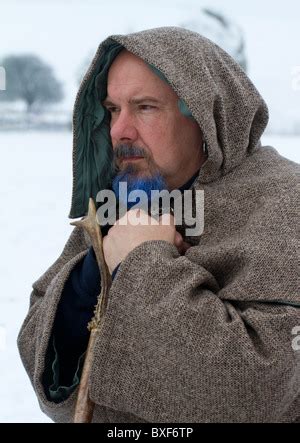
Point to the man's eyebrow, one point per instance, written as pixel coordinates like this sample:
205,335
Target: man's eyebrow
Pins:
147,98
107,102
134,101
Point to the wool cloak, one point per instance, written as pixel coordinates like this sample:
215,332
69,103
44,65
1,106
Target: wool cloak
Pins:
206,336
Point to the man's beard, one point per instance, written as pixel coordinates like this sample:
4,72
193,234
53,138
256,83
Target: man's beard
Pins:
138,175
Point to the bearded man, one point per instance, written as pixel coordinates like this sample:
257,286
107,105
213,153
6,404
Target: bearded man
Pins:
198,328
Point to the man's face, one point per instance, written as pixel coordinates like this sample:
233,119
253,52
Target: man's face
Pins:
145,114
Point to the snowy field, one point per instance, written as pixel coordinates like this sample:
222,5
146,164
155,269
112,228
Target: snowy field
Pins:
35,189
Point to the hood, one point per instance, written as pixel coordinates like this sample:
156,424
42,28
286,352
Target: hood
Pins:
229,110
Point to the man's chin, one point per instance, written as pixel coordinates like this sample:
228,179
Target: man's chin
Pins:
131,171
138,179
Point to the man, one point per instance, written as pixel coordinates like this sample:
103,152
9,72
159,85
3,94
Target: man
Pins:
197,328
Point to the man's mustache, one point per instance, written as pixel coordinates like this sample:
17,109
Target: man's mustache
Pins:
124,151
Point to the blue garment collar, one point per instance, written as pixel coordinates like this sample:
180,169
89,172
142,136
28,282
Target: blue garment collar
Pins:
189,183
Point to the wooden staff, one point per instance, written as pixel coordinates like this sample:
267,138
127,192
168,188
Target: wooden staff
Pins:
84,406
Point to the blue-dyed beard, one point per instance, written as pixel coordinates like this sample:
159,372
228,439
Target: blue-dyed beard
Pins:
130,175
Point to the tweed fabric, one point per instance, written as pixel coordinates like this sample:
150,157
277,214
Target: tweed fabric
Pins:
204,337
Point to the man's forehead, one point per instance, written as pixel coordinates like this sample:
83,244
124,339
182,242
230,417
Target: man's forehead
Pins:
138,92
127,70
130,74
135,100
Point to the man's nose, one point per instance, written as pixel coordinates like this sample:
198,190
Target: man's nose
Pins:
123,128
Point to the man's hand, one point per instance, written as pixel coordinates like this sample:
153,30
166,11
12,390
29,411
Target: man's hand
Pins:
134,228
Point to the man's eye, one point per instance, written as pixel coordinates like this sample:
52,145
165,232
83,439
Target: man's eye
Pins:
112,109
147,107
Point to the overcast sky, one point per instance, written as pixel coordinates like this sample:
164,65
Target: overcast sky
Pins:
64,32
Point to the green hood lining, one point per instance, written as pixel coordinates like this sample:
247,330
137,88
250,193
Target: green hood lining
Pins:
93,143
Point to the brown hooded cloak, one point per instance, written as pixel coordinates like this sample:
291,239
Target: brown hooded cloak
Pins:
204,337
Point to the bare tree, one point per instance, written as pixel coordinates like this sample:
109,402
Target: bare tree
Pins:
221,30
29,79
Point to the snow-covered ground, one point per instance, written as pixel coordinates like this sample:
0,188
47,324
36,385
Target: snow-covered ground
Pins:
35,190
35,174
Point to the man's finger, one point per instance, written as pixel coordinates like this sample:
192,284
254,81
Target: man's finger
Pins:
178,240
166,219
